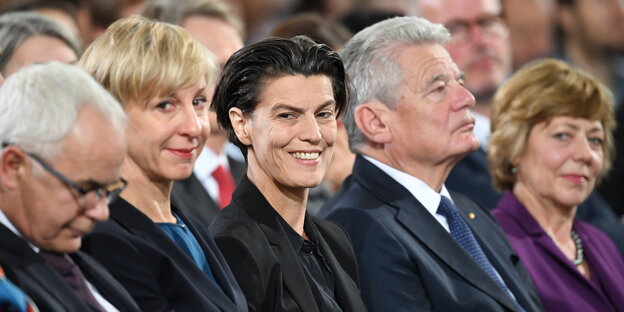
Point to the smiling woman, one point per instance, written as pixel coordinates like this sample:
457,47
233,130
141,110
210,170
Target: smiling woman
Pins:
166,260
278,100
551,143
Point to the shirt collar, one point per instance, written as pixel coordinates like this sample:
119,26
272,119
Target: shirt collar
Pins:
6,222
207,162
427,196
481,129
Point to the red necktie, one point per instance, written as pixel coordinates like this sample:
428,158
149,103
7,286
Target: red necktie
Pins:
226,185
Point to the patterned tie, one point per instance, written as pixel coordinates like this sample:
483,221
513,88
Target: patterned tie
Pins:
463,235
71,273
226,185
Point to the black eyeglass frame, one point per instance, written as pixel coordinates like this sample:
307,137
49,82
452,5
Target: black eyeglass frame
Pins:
100,192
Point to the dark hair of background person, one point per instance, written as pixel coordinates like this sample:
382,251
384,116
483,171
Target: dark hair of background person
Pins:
357,20
176,11
247,71
314,26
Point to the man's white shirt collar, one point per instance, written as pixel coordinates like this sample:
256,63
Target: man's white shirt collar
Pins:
427,196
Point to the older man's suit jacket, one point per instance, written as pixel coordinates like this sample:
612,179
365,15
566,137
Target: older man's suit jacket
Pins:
191,198
48,290
250,235
156,272
409,262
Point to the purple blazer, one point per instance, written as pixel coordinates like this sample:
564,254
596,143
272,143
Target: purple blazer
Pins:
560,285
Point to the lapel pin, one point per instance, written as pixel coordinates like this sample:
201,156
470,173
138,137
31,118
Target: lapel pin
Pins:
471,216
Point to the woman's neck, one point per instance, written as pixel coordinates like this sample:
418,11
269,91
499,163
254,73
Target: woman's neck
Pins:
556,220
290,203
150,196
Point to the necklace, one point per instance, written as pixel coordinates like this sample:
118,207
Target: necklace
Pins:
579,248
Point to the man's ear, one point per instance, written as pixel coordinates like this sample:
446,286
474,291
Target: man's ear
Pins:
12,162
372,119
240,124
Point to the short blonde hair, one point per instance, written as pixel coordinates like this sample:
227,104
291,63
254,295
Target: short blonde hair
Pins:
537,93
138,58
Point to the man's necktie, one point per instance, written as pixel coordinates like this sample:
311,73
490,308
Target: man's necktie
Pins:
71,273
226,185
463,235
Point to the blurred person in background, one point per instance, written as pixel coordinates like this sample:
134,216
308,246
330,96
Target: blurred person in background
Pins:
28,38
166,259
531,25
551,144
220,166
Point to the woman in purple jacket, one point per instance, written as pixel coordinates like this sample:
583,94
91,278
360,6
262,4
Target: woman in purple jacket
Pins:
551,142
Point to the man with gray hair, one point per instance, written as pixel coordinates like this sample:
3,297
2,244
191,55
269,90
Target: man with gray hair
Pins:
419,247
63,144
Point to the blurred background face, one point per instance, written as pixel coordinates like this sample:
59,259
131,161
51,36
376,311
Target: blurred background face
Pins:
598,23
166,134
561,161
292,131
531,29
54,216
40,49
479,40
221,39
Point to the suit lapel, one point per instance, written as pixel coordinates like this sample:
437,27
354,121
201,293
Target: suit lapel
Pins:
257,206
19,257
343,283
137,223
425,228
224,297
105,284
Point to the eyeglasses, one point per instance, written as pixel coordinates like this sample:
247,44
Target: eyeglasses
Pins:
97,192
462,30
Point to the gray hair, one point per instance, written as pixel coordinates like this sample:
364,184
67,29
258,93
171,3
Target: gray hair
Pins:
40,105
16,27
174,12
370,61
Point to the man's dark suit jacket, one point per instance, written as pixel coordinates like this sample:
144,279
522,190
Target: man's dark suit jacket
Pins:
191,198
156,272
250,235
409,262
27,269
471,177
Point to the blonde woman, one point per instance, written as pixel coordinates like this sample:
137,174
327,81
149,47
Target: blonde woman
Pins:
166,260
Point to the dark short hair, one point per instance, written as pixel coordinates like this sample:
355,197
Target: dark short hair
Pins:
249,68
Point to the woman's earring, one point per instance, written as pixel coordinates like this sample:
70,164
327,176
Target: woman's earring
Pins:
513,170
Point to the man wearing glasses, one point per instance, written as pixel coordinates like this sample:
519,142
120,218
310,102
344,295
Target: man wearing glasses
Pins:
63,145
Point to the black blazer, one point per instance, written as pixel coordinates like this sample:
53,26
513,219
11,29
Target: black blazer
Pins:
156,272
408,262
24,267
249,233
191,198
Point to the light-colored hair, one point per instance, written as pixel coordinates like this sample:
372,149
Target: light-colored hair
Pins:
137,59
539,92
40,105
370,60
16,27
175,12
